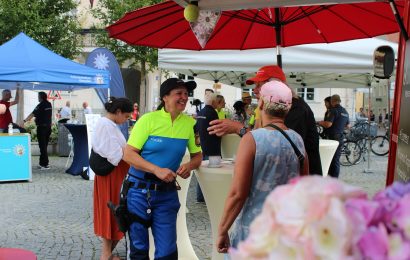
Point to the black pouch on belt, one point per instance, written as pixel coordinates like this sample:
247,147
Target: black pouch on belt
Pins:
120,211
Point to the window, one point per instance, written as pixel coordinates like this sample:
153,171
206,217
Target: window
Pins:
308,94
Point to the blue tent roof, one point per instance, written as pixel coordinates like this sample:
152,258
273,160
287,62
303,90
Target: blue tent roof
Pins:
32,66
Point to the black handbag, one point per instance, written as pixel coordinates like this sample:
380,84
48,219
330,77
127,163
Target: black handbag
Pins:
100,165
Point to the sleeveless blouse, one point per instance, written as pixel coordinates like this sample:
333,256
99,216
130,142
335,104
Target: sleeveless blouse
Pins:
275,163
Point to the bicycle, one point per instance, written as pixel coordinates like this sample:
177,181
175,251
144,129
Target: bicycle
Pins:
351,153
356,143
380,144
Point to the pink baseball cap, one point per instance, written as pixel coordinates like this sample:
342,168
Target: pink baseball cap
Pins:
277,92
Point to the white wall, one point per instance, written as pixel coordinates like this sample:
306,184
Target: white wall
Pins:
346,95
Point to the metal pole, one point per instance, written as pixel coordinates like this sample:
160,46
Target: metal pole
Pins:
388,102
368,170
278,29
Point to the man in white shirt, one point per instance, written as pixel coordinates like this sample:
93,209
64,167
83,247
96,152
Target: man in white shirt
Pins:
87,109
65,112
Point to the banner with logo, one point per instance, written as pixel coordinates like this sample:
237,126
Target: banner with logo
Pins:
103,59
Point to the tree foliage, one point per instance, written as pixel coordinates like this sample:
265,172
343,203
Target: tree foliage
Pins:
109,11
50,22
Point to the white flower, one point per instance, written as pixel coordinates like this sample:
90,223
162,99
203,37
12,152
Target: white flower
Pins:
331,234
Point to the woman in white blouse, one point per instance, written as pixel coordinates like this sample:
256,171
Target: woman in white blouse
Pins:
109,142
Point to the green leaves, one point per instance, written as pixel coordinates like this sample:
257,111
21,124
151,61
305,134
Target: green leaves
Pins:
109,11
50,22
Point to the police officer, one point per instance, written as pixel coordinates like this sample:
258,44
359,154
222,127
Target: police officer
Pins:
335,123
155,150
42,113
328,106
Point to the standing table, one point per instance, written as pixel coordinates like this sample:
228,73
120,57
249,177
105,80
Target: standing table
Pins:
80,158
327,149
215,184
229,145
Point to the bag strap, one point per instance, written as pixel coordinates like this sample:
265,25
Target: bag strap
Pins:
300,156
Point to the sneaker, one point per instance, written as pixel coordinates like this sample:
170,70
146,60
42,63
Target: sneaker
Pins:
47,167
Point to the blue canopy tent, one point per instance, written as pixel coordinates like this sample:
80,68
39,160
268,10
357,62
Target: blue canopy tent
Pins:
28,64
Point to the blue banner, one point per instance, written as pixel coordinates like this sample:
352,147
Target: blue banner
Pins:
103,59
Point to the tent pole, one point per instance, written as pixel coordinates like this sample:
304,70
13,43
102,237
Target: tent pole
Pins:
53,116
368,170
388,101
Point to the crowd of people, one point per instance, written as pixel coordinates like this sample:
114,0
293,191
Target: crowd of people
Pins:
279,142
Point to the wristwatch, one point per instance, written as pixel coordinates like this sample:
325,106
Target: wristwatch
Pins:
242,131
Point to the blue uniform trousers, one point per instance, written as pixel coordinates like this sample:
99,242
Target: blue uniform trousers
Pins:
162,208
334,168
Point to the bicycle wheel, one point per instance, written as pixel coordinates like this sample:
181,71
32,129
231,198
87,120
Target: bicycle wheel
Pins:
350,153
380,145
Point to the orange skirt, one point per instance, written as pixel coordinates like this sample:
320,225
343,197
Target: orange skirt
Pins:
107,188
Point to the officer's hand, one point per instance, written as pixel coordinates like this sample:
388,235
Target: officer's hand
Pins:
184,170
165,174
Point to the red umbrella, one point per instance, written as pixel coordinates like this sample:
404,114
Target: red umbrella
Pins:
164,26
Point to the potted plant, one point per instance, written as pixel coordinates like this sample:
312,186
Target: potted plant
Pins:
52,145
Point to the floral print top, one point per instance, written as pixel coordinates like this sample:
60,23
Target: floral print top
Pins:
275,164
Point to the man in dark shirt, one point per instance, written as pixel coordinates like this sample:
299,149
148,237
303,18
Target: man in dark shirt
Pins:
301,119
335,124
210,144
42,114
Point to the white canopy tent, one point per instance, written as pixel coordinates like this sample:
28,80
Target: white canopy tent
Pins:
346,64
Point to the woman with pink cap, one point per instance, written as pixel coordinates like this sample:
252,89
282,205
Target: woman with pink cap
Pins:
265,160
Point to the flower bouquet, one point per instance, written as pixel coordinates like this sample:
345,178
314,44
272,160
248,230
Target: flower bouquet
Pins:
323,218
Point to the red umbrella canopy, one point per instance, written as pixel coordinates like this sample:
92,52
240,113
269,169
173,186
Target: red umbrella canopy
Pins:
164,26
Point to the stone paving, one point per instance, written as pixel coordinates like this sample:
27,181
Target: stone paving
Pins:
52,215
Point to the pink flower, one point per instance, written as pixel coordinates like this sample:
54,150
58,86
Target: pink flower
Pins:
374,243
323,218
400,217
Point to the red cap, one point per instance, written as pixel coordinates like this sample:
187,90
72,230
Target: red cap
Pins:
267,72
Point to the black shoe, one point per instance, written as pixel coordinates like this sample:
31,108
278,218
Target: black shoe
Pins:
47,167
84,175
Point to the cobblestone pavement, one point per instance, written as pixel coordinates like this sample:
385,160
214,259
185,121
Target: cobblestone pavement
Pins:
52,215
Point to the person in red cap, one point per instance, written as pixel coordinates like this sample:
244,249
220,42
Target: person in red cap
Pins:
300,117
226,126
